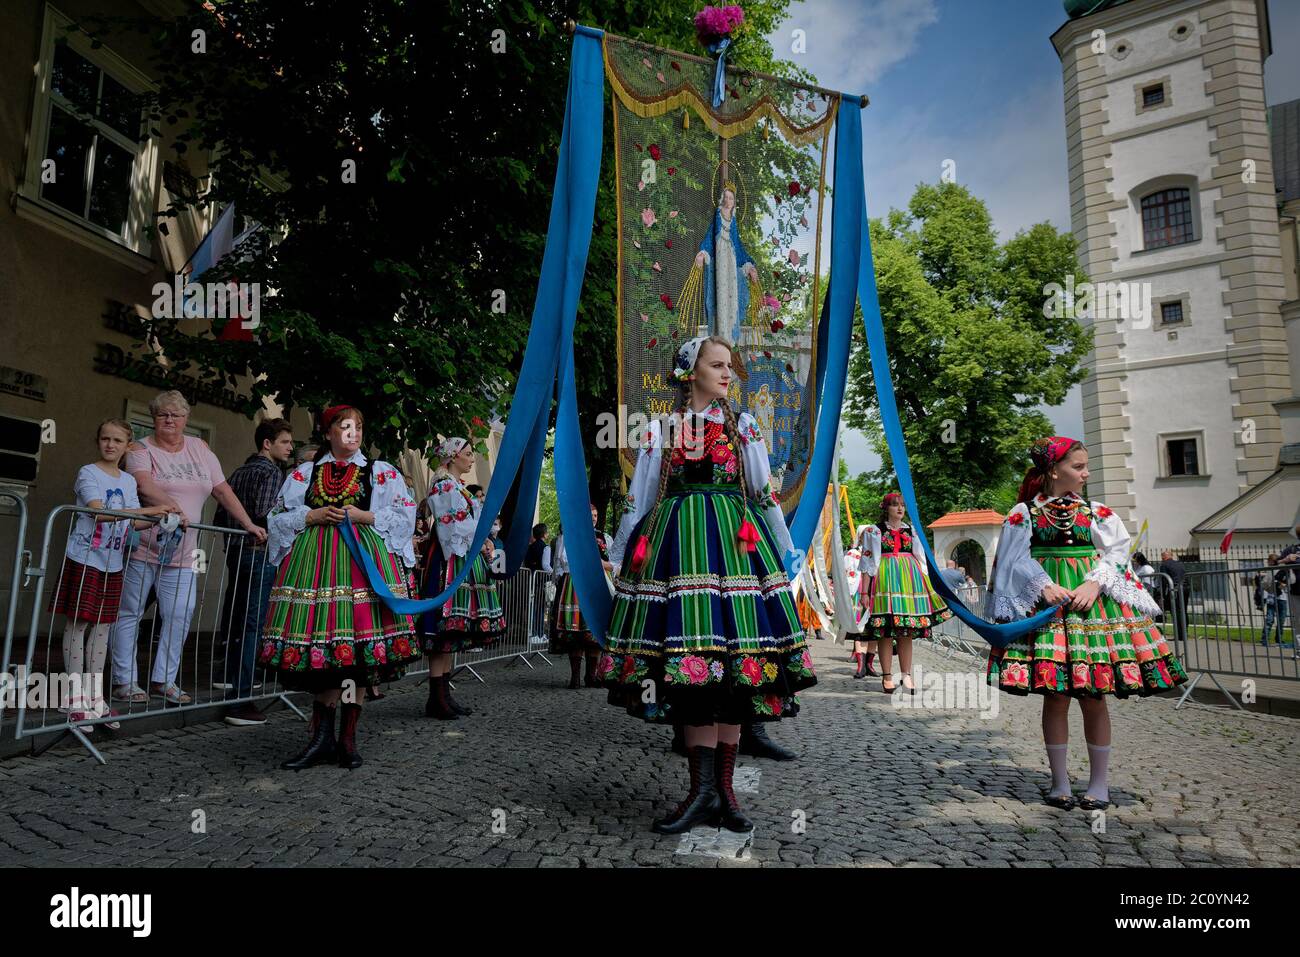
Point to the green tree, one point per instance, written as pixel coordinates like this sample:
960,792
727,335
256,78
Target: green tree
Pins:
972,355
385,287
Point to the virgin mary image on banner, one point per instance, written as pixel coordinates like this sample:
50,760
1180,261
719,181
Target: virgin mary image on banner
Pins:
727,266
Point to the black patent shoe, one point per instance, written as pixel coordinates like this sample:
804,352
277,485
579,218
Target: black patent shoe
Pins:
455,705
733,819
755,743
1092,804
1065,802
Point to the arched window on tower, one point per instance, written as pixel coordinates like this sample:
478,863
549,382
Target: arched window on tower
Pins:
1167,218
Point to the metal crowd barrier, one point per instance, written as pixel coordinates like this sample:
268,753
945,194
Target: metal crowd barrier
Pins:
1218,629
202,627
39,687
526,600
15,575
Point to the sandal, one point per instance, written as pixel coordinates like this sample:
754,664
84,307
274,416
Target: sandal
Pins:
1065,802
133,694
172,694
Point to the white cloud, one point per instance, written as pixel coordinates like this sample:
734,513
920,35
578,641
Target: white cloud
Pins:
853,42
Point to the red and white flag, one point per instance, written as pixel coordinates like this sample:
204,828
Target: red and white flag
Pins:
1227,538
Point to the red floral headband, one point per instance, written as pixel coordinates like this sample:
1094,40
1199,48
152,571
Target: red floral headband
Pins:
1047,452
890,499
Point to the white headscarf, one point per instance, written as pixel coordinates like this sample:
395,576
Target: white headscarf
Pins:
687,353
449,448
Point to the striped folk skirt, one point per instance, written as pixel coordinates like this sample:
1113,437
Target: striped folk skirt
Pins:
325,625
706,631
569,632
472,617
901,602
1109,649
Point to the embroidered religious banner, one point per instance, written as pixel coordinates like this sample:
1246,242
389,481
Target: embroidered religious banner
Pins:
720,217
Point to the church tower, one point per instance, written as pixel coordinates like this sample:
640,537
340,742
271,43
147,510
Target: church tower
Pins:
1172,196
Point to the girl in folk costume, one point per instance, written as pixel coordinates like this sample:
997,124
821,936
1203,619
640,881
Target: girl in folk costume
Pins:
1057,548
901,602
472,617
704,630
569,633
864,652
326,629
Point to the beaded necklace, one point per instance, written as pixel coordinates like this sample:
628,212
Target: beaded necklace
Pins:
336,482
1060,512
699,440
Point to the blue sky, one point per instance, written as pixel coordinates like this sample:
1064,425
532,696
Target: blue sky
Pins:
977,82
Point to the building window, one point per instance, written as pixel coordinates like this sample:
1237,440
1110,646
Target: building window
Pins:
1182,457
92,137
1152,94
1167,218
1171,312
91,161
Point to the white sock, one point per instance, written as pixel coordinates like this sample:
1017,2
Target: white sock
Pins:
1099,765
96,657
1060,772
74,662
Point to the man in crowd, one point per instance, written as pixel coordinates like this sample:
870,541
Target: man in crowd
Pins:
256,484
1175,601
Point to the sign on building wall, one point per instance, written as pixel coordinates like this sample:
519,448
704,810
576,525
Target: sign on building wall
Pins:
25,385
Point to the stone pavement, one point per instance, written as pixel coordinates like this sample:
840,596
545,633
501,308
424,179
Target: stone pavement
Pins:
543,776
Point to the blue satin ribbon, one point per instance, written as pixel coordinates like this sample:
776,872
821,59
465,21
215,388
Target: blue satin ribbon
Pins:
849,128
564,263
399,606
720,71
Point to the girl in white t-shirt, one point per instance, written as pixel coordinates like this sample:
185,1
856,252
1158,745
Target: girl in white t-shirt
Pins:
90,584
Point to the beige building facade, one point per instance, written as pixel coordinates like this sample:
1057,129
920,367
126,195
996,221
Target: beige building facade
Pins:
1173,194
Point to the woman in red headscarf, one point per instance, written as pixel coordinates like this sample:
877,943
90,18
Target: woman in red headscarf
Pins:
326,630
901,602
1059,548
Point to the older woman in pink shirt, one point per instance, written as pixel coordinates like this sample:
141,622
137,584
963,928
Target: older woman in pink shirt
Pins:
170,468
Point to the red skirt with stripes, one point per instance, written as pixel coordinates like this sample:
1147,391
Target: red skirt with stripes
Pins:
87,594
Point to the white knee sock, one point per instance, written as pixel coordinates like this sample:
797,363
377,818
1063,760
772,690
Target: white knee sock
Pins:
1060,772
1099,765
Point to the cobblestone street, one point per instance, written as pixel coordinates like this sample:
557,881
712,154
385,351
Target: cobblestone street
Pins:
544,776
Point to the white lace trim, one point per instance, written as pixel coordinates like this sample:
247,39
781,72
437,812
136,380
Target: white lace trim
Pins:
1121,589
999,607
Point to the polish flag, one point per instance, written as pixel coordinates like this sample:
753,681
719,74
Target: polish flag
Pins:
1227,538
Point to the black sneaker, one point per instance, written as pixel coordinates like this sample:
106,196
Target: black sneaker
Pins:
245,714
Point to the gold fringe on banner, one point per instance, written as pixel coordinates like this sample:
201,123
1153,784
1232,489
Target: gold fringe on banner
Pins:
684,95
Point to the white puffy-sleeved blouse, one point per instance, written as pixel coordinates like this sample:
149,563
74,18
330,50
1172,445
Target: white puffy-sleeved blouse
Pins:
454,512
390,502
873,547
1019,580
